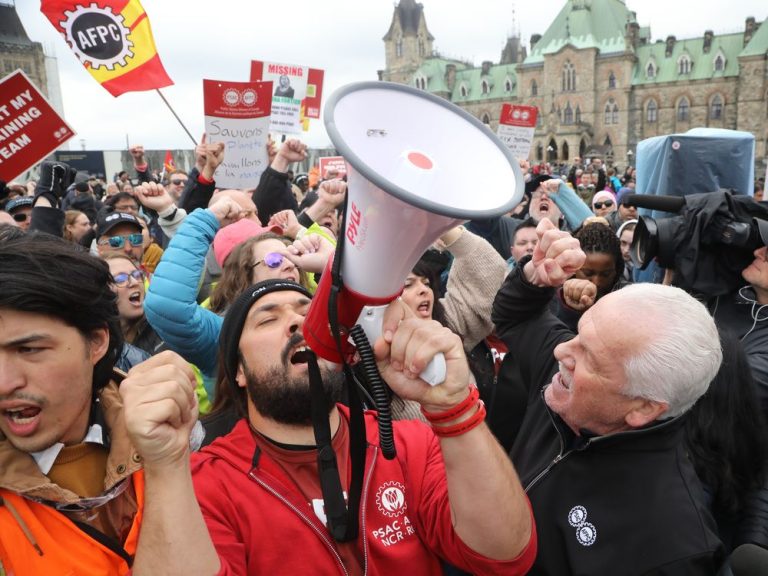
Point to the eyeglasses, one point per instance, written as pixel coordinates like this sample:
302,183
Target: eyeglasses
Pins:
135,239
606,204
272,260
123,278
21,217
586,186
178,182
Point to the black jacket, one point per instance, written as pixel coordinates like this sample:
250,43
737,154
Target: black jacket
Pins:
622,504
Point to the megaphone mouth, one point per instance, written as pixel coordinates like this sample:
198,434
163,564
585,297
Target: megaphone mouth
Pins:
405,141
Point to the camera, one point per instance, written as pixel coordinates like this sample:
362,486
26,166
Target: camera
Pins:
708,243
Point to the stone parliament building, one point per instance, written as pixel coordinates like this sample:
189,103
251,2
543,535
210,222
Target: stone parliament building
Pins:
600,83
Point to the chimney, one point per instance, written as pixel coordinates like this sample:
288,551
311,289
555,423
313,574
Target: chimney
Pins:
708,35
750,27
670,45
486,67
450,76
534,40
632,33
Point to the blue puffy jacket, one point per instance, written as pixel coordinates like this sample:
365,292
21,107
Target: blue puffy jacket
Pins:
171,306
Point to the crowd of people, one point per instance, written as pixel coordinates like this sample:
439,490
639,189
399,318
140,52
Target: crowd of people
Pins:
161,413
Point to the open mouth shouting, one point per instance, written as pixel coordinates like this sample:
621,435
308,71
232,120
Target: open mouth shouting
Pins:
21,419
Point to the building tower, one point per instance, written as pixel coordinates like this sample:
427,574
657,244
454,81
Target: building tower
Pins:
407,43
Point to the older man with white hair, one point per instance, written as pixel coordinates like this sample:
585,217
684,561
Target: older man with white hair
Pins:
600,450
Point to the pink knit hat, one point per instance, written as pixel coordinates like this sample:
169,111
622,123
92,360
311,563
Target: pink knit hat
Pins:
230,236
603,195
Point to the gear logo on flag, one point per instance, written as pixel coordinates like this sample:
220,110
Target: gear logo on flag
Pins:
97,36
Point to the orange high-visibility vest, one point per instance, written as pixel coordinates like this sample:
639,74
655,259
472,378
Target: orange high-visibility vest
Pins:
62,547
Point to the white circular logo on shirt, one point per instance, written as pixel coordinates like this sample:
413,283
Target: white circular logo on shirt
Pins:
390,499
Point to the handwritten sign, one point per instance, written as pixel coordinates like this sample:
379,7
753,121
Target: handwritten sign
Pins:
332,164
30,128
237,113
290,88
516,127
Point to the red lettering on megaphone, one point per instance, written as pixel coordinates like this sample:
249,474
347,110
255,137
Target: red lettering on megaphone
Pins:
354,222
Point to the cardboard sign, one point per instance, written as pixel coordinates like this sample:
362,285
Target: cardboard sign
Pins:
330,163
237,113
295,87
30,129
516,127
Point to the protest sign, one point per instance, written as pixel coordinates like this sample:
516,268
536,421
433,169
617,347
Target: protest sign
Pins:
330,163
516,127
237,113
314,97
291,88
30,128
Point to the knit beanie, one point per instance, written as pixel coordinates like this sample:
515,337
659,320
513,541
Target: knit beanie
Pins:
232,328
601,196
230,236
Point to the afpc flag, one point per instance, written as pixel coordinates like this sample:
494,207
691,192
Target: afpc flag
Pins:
113,40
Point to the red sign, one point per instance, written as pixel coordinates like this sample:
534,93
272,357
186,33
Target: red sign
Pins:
514,115
30,128
237,99
314,97
331,163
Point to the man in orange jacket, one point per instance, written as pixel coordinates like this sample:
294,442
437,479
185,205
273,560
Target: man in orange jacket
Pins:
71,486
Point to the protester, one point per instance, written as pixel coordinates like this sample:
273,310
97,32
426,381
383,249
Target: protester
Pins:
603,203
20,209
120,232
76,225
72,489
233,522
600,450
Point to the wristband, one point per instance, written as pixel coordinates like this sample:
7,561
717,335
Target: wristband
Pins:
464,426
457,411
203,180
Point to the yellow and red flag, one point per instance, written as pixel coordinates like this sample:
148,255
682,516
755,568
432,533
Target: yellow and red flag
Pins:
113,40
169,165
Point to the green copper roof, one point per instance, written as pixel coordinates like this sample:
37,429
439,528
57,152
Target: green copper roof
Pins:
758,45
703,64
433,69
585,24
472,80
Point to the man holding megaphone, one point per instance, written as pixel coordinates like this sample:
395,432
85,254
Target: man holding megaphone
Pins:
451,492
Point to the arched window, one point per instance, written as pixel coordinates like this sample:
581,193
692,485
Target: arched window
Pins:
716,108
612,81
539,152
684,64
650,70
484,87
565,152
508,84
463,91
534,88
578,114
611,112
719,63
421,82
569,77
652,112
683,109
421,46
399,47
486,119
568,114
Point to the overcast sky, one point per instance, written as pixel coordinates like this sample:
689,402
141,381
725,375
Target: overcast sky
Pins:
217,40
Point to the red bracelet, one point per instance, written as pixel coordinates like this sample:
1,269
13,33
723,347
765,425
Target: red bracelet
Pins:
457,411
203,180
464,426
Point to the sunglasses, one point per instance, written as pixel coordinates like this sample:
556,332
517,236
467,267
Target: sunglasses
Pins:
178,182
123,278
586,187
606,204
272,260
21,217
135,239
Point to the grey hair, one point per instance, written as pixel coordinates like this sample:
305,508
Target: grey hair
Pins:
683,354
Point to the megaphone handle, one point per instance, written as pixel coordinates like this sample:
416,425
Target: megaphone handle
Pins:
371,320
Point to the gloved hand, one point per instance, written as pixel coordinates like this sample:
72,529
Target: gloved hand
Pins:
55,178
